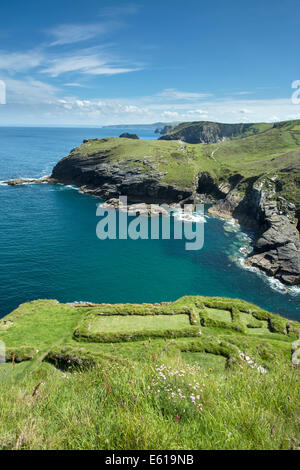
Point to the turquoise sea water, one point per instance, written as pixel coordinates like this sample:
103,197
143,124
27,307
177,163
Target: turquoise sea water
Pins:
49,248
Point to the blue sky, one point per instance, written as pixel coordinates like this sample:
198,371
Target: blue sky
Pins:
94,62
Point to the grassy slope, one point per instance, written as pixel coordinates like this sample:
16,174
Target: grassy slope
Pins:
129,399
272,151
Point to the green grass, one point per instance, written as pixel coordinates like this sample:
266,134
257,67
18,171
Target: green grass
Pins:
39,324
150,393
252,323
135,323
206,361
119,407
221,315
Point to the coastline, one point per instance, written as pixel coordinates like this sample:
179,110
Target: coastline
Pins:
244,250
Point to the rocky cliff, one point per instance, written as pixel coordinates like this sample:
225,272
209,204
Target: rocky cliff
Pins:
210,132
100,174
165,129
276,249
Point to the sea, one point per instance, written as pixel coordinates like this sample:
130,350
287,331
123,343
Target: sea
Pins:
49,248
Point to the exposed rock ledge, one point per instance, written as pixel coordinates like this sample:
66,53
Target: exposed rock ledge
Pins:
133,209
276,250
151,209
20,181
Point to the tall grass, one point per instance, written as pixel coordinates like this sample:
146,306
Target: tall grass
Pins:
117,406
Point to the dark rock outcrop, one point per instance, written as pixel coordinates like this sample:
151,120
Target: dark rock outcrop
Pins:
277,248
96,174
208,186
127,135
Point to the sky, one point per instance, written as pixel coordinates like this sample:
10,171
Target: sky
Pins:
94,62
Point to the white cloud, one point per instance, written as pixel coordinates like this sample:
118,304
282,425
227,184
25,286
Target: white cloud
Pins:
30,90
85,62
2,92
173,94
20,61
241,93
196,112
93,61
37,98
274,118
245,111
170,115
134,111
74,84
81,63
116,11
74,33
103,106
110,70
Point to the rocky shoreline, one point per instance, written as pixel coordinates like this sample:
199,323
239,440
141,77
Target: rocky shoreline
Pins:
276,247
253,204
20,181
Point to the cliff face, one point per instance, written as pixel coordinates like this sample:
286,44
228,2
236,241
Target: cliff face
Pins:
165,129
210,132
276,249
99,175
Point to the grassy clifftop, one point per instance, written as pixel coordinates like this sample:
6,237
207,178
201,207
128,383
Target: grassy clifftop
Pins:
213,132
198,373
275,151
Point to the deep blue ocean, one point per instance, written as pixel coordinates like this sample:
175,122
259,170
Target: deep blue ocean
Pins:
49,248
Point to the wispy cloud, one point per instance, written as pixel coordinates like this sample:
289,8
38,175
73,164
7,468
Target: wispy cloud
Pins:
75,85
170,115
74,63
111,70
196,113
112,19
241,93
20,61
93,61
173,94
121,10
74,33
86,62
30,90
